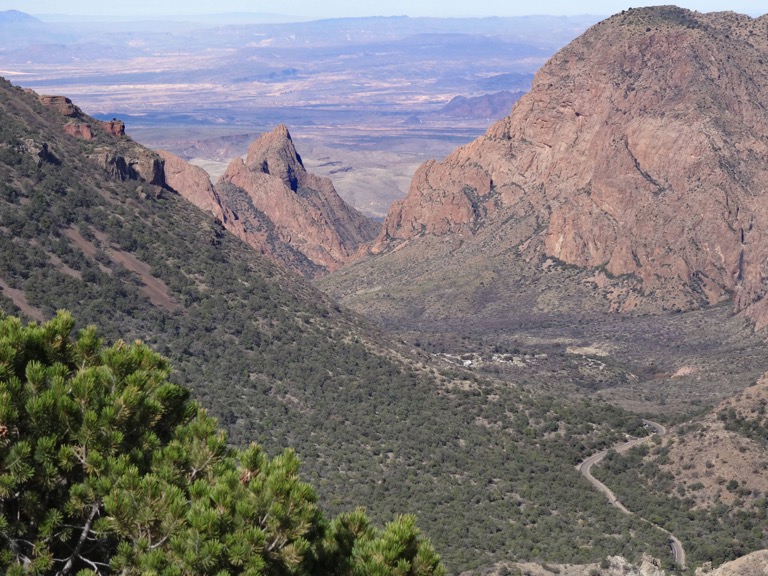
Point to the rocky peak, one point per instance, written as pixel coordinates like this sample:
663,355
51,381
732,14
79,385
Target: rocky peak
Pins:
656,17
640,150
273,153
282,210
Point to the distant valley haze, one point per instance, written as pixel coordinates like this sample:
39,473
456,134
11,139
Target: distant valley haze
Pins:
348,8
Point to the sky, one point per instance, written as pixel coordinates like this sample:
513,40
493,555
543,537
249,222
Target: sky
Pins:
348,8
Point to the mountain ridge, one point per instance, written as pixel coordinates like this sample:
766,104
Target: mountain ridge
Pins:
269,200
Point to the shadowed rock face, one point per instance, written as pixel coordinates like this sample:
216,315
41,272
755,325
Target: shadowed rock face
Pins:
275,200
641,149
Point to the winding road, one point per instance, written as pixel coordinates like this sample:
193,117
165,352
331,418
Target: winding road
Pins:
584,468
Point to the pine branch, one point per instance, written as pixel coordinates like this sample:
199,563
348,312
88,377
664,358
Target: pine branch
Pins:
83,536
13,544
95,565
160,543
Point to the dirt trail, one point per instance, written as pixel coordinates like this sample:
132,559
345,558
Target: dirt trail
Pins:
675,545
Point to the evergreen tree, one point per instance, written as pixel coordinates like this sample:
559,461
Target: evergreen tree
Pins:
107,467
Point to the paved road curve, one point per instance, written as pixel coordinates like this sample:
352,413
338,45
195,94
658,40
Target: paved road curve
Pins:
584,468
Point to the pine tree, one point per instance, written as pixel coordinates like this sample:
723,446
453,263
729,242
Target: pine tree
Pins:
107,467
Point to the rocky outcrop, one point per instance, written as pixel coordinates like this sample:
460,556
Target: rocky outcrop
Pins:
641,150
62,105
81,124
39,151
113,127
271,191
79,130
132,163
754,564
118,155
191,182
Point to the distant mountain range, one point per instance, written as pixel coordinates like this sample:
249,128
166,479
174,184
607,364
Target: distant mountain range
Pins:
492,106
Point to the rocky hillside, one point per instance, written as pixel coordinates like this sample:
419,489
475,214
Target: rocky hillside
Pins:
709,471
639,154
721,458
754,564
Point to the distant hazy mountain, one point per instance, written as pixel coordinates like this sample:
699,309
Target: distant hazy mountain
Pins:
217,19
492,106
20,29
507,81
16,18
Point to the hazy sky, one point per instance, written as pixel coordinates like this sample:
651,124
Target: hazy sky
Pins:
341,8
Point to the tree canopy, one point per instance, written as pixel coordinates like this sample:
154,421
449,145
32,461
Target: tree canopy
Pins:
108,467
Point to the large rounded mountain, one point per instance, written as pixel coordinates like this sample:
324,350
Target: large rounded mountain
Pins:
640,157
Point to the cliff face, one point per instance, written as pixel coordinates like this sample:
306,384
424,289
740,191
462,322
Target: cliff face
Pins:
271,191
192,182
642,149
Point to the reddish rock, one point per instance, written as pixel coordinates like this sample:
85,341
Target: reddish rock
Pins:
123,159
62,105
79,130
642,149
191,182
65,107
114,127
308,225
